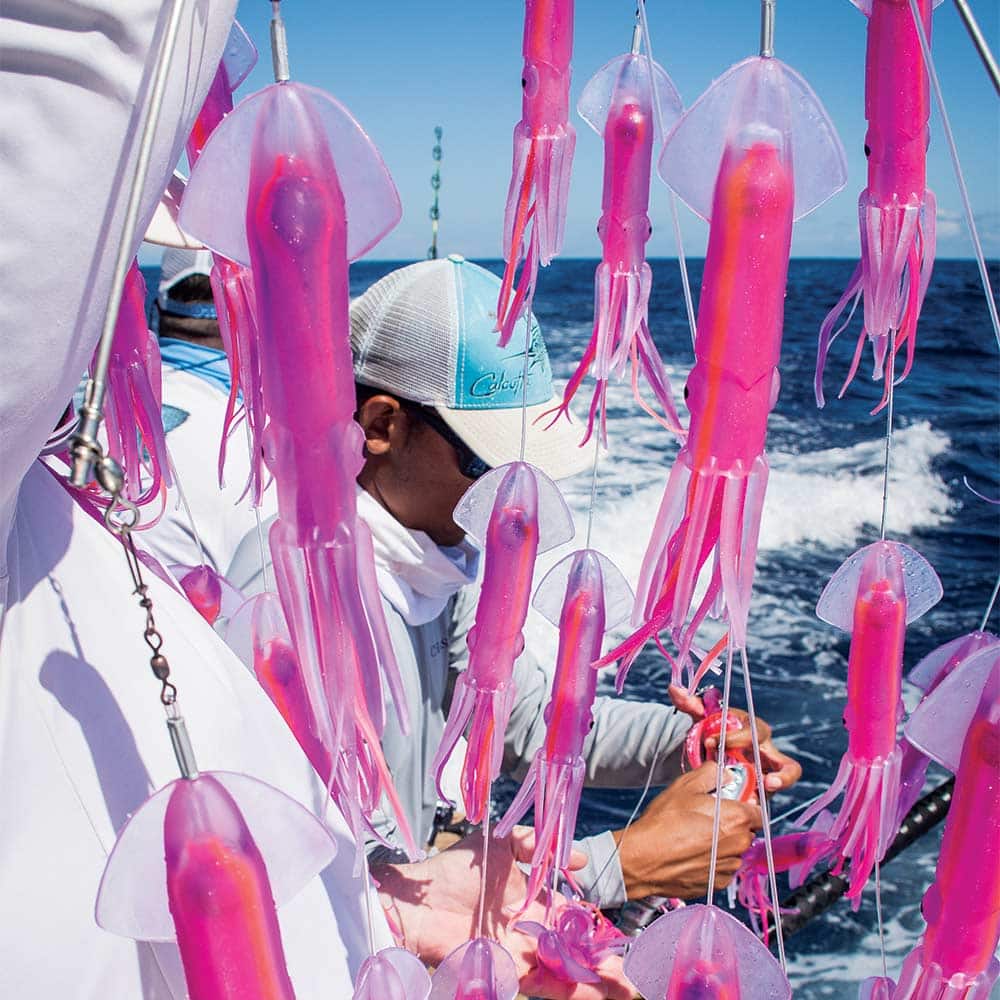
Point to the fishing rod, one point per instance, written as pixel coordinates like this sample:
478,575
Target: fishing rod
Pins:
435,213
822,891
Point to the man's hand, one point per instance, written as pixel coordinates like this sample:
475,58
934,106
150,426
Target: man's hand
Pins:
666,851
435,904
780,770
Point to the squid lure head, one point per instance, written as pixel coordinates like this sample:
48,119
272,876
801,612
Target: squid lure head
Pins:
881,599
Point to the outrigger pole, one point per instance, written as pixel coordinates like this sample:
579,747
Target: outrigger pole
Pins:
434,213
969,20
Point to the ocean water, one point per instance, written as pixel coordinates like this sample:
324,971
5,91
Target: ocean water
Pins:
823,502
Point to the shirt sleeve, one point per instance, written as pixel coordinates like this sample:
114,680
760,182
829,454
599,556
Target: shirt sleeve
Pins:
601,880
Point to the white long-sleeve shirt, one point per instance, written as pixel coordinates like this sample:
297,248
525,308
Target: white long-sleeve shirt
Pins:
82,736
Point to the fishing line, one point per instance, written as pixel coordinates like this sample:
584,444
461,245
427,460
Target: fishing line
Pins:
186,505
721,765
878,917
989,607
959,177
890,376
764,808
681,258
802,805
486,856
264,564
524,383
602,417
628,823
370,916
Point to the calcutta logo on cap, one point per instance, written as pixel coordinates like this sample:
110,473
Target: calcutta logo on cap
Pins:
507,379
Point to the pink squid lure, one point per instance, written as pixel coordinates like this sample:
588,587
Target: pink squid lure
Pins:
480,969
583,596
580,939
205,861
220,898
543,158
133,414
619,104
795,853
958,725
392,974
897,213
874,595
748,123
257,632
518,511
927,675
700,951
210,593
307,192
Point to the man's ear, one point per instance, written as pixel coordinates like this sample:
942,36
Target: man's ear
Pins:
381,419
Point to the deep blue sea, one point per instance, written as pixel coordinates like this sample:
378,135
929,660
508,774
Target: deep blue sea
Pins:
823,502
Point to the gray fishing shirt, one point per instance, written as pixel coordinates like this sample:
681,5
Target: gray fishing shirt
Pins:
630,742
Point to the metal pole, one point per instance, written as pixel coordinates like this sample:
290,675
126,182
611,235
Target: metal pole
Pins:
86,450
767,28
637,32
279,44
971,25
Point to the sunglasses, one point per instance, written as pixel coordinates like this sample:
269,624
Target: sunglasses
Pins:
469,463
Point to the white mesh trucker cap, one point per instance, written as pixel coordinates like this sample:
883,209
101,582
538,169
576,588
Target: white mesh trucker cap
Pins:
426,332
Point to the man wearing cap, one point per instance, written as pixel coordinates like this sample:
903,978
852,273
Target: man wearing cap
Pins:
440,404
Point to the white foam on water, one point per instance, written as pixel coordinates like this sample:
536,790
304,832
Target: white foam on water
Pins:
834,497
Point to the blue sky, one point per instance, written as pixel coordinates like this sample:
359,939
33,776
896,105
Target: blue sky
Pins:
404,67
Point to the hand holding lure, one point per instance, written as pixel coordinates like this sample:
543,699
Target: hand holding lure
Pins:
743,785
309,192
874,595
896,211
543,157
958,725
584,595
518,511
749,123
619,104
